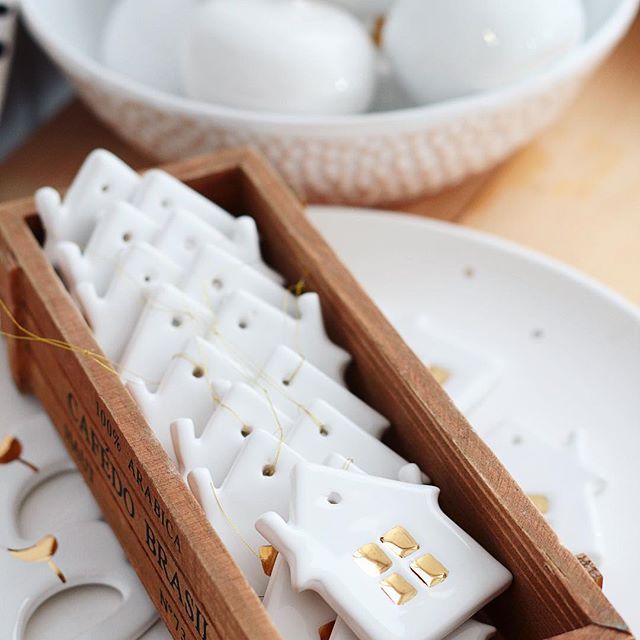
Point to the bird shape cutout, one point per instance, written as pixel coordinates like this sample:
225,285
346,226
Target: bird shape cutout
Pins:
556,479
467,373
300,615
242,411
30,457
102,180
120,225
341,522
193,384
258,481
77,555
169,319
254,328
112,317
215,272
184,234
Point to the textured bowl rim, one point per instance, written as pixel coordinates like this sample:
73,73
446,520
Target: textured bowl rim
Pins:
583,57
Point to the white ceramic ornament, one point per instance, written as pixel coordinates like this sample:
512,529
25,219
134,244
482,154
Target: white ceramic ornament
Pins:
192,387
258,481
253,329
184,233
242,411
300,383
30,456
167,322
467,373
119,225
113,316
382,554
102,179
301,57
324,431
141,40
442,49
86,554
159,195
557,481
215,272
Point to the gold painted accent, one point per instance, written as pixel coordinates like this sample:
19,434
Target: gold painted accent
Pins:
377,33
440,373
11,450
41,551
429,570
400,541
372,559
541,502
268,557
398,589
324,632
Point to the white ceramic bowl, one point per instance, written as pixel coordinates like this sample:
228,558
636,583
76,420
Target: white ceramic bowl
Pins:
362,159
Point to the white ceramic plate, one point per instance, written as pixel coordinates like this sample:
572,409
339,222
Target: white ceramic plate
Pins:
570,348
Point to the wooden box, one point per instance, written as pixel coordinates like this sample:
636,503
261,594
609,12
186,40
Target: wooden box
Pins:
195,585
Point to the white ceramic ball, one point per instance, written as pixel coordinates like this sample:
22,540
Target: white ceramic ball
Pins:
282,56
443,49
142,40
365,8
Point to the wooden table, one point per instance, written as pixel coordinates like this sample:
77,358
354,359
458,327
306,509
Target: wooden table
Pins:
573,194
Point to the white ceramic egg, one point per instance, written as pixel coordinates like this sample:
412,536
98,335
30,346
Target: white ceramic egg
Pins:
142,38
442,49
285,56
365,8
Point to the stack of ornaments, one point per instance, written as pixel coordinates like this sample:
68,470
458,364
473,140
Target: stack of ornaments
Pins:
240,383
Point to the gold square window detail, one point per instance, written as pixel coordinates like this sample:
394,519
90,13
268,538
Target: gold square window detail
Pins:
372,559
400,541
429,570
398,589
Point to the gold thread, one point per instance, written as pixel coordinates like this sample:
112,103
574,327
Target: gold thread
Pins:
41,551
11,450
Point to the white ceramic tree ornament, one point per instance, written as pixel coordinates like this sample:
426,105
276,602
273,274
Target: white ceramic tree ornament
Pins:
102,179
183,233
557,481
112,317
382,554
305,57
119,225
73,556
258,481
167,322
192,386
215,273
253,329
241,411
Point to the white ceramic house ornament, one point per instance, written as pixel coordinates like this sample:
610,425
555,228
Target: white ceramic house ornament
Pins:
113,317
258,481
215,272
255,329
119,226
557,481
167,322
73,556
102,180
382,554
193,386
183,233
243,409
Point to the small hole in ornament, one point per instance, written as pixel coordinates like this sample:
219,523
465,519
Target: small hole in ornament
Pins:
148,278
268,470
198,372
517,439
324,432
105,188
176,321
246,430
126,237
334,498
242,323
286,382
536,334
216,283
190,244
165,203
469,272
